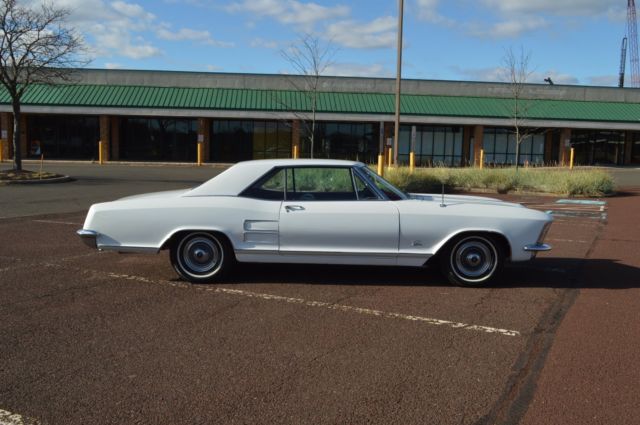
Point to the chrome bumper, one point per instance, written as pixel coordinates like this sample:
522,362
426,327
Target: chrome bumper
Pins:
537,247
88,237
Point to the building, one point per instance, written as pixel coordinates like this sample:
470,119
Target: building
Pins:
162,116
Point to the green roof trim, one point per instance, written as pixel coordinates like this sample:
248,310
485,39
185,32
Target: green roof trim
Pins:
118,96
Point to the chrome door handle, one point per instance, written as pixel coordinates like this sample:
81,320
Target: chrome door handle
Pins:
290,208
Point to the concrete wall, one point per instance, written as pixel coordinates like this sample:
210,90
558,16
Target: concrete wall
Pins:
352,84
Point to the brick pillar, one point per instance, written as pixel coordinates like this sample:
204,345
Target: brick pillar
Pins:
565,146
388,133
466,145
6,131
204,137
628,146
115,139
105,135
24,146
478,139
548,146
295,136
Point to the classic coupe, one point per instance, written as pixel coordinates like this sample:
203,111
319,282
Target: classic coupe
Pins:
317,212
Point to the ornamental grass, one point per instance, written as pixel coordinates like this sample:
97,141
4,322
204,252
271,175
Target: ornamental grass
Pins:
585,182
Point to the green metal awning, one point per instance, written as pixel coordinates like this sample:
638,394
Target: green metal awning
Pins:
225,99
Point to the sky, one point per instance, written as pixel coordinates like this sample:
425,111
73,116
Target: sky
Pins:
571,41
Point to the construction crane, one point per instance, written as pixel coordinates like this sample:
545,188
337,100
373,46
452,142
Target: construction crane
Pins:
623,62
632,34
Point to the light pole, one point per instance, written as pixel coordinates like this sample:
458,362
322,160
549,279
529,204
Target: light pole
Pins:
396,130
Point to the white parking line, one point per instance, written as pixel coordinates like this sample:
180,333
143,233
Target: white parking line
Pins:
58,222
8,418
340,307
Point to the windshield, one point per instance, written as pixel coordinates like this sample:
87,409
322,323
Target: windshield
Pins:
391,192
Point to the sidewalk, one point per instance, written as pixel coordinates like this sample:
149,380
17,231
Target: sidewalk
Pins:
592,374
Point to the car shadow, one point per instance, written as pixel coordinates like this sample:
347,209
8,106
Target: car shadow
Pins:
540,273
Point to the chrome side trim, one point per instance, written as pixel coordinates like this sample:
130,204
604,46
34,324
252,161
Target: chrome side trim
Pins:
327,253
88,237
130,249
537,247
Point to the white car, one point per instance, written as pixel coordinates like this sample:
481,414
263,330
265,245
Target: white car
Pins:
317,212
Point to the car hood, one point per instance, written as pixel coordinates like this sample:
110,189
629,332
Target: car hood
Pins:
461,199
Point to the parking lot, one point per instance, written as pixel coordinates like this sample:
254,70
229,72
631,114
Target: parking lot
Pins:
90,337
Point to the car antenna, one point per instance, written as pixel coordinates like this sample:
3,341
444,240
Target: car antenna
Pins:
442,204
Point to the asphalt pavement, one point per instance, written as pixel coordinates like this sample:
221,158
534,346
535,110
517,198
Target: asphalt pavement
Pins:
101,338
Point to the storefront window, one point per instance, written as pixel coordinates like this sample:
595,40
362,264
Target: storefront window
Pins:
63,137
158,139
635,148
500,145
236,140
598,146
434,146
342,140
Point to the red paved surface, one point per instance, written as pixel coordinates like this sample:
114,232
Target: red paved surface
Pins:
591,375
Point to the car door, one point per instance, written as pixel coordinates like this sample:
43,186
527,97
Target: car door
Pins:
325,220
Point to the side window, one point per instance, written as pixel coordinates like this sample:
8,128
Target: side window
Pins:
364,191
270,187
320,184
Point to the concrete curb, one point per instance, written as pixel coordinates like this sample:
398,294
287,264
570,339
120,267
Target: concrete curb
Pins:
62,179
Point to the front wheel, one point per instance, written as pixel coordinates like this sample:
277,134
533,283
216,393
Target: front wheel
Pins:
200,257
472,260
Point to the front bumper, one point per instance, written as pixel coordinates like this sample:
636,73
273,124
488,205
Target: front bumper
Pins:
88,237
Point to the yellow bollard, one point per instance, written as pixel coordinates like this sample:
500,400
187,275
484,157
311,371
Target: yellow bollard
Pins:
481,159
412,161
381,165
390,157
100,153
571,155
199,154
295,152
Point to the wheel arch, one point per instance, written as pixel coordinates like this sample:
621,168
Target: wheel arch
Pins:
175,235
499,236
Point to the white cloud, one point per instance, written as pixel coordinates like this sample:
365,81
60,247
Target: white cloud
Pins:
554,7
499,74
112,65
262,43
113,28
187,34
509,28
605,80
379,33
428,11
133,11
292,12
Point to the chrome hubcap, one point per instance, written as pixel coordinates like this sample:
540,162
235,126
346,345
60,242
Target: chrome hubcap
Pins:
474,258
201,255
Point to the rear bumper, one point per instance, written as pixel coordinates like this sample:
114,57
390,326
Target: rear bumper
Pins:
88,237
537,247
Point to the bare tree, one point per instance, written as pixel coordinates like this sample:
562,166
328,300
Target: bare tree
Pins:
36,47
309,58
517,72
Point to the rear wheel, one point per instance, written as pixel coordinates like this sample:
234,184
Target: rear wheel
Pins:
472,260
200,256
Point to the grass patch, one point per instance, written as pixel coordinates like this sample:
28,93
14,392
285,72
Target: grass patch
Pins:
560,181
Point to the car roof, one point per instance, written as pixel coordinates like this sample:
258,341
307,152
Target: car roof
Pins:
239,176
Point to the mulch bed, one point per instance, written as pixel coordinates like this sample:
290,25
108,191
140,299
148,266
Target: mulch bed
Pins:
26,175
